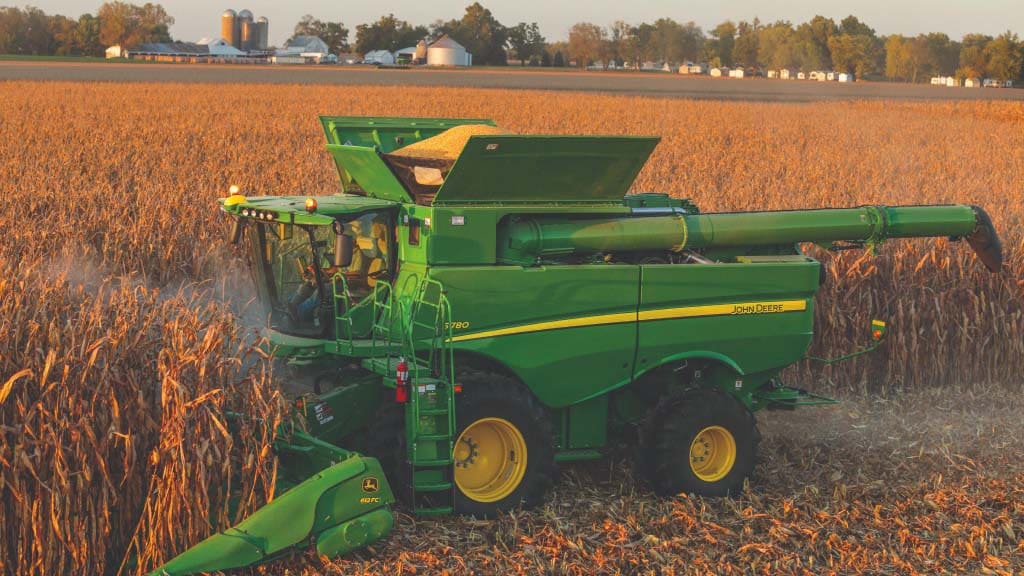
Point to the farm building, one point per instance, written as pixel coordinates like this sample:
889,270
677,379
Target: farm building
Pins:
801,76
973,83
691,68
717,72
220,48
284,59
310,48
786,74
405,55
844,77
378,57
952,82
447,52
115,51
736,73
170,52
773,73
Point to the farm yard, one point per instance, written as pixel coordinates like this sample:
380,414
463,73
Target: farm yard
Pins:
128,335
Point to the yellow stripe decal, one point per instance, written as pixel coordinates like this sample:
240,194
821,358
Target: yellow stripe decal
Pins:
740,308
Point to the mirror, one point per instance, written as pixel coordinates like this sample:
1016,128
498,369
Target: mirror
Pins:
343,248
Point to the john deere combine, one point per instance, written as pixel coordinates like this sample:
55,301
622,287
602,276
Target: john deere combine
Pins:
478,307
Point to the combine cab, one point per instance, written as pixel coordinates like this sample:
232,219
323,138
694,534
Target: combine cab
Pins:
477,307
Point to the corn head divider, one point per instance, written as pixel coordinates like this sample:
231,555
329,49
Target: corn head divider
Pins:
481,306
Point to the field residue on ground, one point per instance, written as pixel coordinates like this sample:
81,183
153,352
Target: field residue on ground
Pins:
123,344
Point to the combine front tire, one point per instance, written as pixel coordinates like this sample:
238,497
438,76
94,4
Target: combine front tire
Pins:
701,442
503,451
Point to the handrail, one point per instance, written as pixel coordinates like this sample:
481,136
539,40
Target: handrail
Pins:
340,318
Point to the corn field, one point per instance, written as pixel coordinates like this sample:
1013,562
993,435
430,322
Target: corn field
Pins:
125,341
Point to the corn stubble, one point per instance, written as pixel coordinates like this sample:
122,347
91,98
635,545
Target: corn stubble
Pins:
123,347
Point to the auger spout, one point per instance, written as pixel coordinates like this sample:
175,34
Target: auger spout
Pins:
539,237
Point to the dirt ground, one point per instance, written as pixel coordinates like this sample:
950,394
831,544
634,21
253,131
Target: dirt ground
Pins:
927,483
627,83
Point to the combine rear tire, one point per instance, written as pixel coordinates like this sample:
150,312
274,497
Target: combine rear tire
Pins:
503,451
699,441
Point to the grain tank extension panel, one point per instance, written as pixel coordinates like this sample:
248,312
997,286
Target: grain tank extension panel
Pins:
491,169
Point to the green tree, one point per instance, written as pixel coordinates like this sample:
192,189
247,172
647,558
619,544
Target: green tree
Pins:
526,41
812,51
972,55
720,45
944,53
87,36
744,51
12,30
898,65
776,45
334,34
587,43
644,46
388,33
671,41
65,35
853,27
558,60
1003,57
129,25
854,54
482,35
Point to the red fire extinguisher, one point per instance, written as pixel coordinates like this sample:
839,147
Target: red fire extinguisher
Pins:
402,381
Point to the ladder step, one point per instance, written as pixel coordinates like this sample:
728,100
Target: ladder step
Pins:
432,487
435,462
438,511
432,437
426,380
388,367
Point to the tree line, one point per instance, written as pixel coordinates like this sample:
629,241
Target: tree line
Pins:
821,43
30,31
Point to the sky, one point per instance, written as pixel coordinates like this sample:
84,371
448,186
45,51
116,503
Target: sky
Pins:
195,19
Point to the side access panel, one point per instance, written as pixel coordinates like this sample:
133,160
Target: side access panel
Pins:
760,316
568,332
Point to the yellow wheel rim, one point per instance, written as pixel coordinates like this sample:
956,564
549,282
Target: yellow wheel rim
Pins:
712,453
490,459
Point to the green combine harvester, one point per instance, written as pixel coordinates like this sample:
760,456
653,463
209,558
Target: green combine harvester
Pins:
476,313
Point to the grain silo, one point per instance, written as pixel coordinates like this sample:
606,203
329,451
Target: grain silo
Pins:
262,33
247,28
447,52
229,27
421,53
